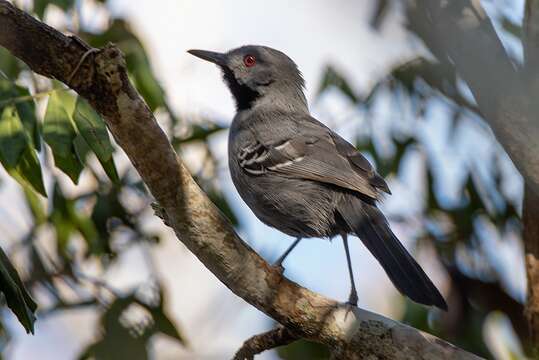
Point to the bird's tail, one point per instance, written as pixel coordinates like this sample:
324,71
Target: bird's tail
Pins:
372,228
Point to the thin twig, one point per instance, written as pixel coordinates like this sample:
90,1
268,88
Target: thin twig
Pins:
265,341
90,51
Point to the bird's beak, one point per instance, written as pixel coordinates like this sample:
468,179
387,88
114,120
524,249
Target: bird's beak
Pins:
211,56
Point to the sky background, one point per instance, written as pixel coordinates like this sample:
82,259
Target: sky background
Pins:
313,34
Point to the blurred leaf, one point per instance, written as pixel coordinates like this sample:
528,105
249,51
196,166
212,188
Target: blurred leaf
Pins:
59,132
118,342
380,11
63,225
94,132
9,64
200,132
12,138
17,298
67,219
333,78
162,322
87,229
110,170
34,204
303,349
218,199
41,5
511,27
123,338
164,325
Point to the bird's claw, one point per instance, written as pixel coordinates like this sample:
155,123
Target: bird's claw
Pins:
279,267
349,308
352,299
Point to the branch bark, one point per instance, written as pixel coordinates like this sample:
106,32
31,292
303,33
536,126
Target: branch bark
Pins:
103,81
266,341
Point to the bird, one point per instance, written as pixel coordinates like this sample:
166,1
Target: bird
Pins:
300,177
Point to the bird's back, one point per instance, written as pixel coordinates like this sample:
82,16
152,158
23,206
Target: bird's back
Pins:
297,207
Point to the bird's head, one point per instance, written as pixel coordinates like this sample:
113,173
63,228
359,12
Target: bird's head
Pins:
259,75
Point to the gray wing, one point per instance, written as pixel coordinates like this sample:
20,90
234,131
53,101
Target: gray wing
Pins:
314,152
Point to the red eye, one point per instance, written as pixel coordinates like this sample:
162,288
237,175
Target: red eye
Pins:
249,60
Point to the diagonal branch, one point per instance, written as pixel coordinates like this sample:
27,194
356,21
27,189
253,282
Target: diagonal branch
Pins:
102,79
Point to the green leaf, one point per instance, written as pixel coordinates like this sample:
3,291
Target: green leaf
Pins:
118,340
60,217
58,130
28,171
27,113
81,148
200,132
110,170
70,165
332,78
303,349
67,98
17,298
8,64
93,130
34,204
60,133
9,92
164,325
67,220
41,5
12,138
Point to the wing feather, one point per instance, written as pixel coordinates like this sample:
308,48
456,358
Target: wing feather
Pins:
315,153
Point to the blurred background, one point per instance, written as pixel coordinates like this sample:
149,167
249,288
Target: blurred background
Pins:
112,282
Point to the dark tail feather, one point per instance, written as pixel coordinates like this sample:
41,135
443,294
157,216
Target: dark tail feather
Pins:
405,273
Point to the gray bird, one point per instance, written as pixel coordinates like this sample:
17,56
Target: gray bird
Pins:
299,176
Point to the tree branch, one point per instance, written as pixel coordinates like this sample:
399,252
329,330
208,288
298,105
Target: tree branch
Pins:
103,81
266,341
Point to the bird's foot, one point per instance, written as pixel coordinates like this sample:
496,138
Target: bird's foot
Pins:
351,303
278,265
352,299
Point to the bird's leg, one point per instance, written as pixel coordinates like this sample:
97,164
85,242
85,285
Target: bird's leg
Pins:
352,299
279,262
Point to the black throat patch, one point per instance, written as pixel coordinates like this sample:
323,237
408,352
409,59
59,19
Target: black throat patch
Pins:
244,95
